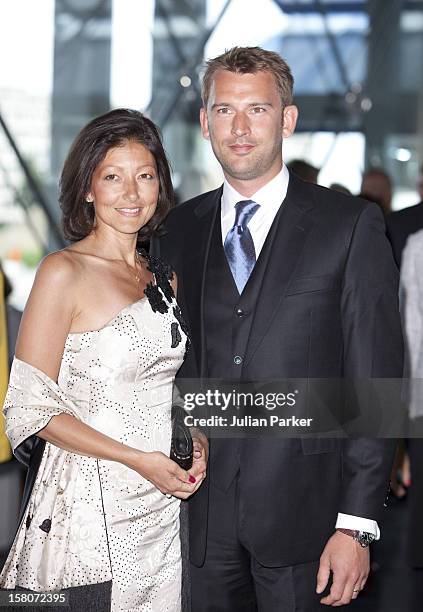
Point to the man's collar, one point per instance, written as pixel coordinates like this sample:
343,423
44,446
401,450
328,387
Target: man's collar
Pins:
274,191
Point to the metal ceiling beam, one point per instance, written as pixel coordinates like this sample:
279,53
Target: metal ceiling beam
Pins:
339,7
343,73
333,7
33,184
316,6
164,14
25,207
84,17
189,69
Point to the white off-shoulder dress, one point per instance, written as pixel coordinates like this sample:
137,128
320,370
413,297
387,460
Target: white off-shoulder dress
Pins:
91,521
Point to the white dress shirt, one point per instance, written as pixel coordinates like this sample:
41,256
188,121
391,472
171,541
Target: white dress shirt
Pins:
271,197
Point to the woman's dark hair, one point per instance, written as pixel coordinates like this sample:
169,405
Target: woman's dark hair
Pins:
90,147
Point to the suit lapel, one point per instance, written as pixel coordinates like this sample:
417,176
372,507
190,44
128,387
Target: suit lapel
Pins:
195,262
287,235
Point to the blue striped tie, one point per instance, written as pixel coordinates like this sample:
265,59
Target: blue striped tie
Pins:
239,245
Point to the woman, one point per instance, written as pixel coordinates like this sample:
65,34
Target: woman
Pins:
100,342
411,299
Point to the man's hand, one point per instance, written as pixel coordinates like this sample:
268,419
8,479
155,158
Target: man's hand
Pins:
201,453
350,565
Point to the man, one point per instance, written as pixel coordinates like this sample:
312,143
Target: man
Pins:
304,170
279,278
376,186
404,222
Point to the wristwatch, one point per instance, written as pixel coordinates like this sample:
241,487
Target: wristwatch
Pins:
362,537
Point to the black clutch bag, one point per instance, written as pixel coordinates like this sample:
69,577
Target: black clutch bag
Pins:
181,446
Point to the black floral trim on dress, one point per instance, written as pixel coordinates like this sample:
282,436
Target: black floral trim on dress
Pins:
178,316
176,335
163,274
155,298
45,525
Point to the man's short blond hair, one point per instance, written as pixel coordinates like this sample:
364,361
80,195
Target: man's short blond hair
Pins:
249,60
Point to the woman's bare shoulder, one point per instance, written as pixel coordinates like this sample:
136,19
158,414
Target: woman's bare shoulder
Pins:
58,269
48,313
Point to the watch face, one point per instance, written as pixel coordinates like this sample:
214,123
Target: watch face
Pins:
364,538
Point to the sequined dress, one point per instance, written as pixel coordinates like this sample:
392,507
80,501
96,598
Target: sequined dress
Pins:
89,521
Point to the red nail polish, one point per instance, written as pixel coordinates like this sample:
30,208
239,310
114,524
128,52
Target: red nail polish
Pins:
192,479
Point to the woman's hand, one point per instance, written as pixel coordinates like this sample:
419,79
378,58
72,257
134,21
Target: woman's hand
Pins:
164,474
66,432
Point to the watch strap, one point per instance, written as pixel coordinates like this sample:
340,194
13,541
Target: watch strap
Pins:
361,537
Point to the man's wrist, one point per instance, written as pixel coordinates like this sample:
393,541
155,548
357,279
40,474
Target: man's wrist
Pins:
200,435
195,431
359,523
361,537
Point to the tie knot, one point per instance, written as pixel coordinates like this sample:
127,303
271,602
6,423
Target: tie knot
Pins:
244,211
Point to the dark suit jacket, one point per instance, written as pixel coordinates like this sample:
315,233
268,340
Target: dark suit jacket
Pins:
400,224
328,308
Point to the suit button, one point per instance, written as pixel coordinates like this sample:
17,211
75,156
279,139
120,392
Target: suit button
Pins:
239,312
237,360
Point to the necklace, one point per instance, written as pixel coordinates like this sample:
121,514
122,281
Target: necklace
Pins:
136,272
138,261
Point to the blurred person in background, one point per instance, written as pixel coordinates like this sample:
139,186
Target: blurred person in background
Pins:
340,188
90,391
400,224
412,310
256,259
13,317
5,453
12,473
303,170
420,183
376,186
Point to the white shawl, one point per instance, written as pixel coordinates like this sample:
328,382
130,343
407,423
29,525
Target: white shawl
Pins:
40,558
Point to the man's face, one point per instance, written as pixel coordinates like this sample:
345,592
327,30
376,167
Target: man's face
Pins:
245,123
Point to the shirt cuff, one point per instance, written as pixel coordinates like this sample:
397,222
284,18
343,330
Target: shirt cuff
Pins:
348,521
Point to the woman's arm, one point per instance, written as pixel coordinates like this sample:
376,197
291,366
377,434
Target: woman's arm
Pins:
49,312
46,322
65,431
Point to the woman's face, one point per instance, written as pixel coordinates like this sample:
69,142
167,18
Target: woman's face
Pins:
125,188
